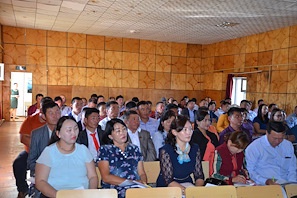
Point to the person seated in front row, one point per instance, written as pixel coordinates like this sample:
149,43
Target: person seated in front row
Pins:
178,158
229,159
65,164
119,161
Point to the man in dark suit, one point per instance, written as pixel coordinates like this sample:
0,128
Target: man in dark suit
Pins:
139,137
40,136
91,136
189,111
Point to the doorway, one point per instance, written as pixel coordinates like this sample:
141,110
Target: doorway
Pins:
239,89
24,81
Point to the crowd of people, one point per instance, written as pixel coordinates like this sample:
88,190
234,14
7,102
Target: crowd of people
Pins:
64,144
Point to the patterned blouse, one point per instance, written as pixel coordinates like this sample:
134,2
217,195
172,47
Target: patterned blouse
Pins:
122,164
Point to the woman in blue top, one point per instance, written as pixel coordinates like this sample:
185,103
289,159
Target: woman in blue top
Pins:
260,121
163,129
178,158
65,164
119,162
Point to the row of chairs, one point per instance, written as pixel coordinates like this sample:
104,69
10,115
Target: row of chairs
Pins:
191,192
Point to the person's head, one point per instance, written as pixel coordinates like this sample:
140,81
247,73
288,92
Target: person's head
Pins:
175,102
275,132
38,98
170,99
76,104
261,101
115,132
212,106
243,104
63,99
94,96
208,99
237,142
172,107
244,113
102,108
92,103
263,111
203,103
271,107
58,101
131,106
202,119
120,100
112,109
180,131
165,120
228,100
191,104
132,120
235,117
111,98
276,115
143,109
84,101
225,106
65,131
15,85
160,107
150,104
135,99
100,99
51,112
91,118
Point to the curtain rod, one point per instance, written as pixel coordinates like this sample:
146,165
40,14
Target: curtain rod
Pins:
252,72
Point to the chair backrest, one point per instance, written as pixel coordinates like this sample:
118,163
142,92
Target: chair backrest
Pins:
166,192
99,177
211,192
291,190
87,193
272,191
152,170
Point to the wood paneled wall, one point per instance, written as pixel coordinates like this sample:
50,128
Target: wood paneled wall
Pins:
80,64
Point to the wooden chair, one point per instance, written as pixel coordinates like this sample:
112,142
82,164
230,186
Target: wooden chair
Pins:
87,193
211,192
152,170
272,191
166,192
99,177
291,190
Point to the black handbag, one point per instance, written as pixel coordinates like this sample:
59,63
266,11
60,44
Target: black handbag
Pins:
215,181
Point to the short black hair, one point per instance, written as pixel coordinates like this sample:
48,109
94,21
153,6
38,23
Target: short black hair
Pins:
74,99
271,105
94,95
101,104
119,96
211,103
89,111
141,103
108,104
234,109
47,105
171,106
93,100
135,99
58,98
130,105
278,127
38,95
165,116
128,113
261,100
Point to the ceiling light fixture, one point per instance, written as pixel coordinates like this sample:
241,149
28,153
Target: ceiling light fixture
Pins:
226,24
134,31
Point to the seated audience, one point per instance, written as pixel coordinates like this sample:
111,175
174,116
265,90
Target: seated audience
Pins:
35,108
118,160
247,124
270,108
140,137
178,158
260,121
101,106
292,119
271,157
211,108
163,129
172,107
229,159
189,111
146,123
64,164
223,121
206,140
112,111
261,101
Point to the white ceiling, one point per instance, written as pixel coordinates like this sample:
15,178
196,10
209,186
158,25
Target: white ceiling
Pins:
185,21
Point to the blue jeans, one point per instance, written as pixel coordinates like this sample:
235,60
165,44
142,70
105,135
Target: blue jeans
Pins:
20,171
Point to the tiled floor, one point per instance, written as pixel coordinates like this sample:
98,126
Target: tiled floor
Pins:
10,147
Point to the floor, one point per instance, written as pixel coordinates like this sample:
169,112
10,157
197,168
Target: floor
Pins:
10,147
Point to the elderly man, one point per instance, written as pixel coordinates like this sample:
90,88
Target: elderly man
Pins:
270,159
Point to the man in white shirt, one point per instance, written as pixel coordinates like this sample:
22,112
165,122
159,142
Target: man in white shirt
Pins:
112,111
146,123
140,137
76,104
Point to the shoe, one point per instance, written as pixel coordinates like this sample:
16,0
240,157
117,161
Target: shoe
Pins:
22,194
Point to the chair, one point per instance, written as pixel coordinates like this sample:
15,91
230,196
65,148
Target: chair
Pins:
211,192
99,177
166,192
272,191
152,170
291,190
88,193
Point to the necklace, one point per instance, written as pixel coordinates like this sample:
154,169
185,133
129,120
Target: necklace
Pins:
65,150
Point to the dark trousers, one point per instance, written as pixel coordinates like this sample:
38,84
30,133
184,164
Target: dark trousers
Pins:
20,171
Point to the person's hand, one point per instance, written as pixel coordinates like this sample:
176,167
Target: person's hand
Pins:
239,179
271,182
